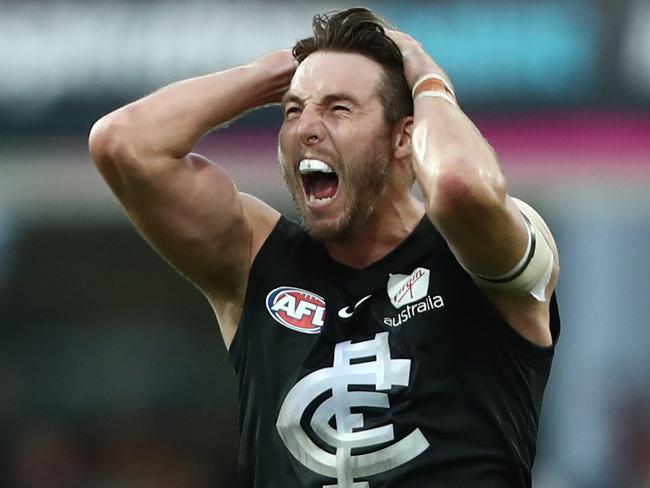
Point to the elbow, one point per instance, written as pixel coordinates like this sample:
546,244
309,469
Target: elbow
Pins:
464,191
109,141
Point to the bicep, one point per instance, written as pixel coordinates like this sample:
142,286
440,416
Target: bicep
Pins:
511,255
487,235
190,211
510,249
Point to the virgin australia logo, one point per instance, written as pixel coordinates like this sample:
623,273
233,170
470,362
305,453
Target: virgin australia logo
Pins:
410,294
383,373
403,289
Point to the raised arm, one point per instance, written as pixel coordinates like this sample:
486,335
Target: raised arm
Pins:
186,206
466,198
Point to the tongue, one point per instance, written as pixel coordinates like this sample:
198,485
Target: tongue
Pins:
324,185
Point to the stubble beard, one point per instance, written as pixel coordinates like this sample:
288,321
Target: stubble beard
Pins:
363,181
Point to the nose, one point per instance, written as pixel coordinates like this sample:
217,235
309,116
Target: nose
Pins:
310,126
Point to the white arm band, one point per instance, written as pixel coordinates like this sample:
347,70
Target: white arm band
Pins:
533,272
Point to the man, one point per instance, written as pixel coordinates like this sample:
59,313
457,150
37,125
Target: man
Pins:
392,342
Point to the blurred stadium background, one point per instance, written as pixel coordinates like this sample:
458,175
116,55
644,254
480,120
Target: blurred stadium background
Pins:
112,371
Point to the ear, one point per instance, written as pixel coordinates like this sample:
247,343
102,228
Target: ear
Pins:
401,138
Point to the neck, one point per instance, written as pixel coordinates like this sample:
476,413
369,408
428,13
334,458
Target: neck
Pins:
392,221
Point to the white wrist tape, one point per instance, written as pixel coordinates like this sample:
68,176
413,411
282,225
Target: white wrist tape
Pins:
436,94
533,272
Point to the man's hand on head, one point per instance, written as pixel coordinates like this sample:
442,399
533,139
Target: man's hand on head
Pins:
281,65
417,62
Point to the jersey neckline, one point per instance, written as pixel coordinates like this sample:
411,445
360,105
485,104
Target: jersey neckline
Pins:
422,239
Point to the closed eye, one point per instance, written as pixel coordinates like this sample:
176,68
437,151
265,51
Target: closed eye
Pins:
293,110
341,108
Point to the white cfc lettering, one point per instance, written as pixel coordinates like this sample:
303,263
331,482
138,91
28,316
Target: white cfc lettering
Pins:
383,373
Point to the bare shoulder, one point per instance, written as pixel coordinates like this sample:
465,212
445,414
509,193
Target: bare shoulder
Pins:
262,218
227,298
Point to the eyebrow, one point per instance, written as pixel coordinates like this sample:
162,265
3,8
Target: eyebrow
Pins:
332,97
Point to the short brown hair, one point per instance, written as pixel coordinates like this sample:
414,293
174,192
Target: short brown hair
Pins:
359,30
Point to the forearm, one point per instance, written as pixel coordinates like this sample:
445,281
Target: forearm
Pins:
453,163
169,122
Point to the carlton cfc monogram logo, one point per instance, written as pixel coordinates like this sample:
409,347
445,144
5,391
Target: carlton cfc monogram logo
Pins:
383,373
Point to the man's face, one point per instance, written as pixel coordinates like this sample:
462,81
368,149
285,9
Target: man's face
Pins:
334,144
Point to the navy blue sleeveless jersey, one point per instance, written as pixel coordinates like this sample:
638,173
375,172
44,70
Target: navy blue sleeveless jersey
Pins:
401,374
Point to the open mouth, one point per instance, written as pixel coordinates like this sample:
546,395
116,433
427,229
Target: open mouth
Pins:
319,181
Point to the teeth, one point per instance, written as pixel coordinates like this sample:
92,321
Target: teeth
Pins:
319,201
313,166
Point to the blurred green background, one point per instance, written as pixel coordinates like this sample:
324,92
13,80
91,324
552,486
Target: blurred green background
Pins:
112,370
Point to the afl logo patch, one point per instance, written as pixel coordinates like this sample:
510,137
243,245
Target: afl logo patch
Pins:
297,309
